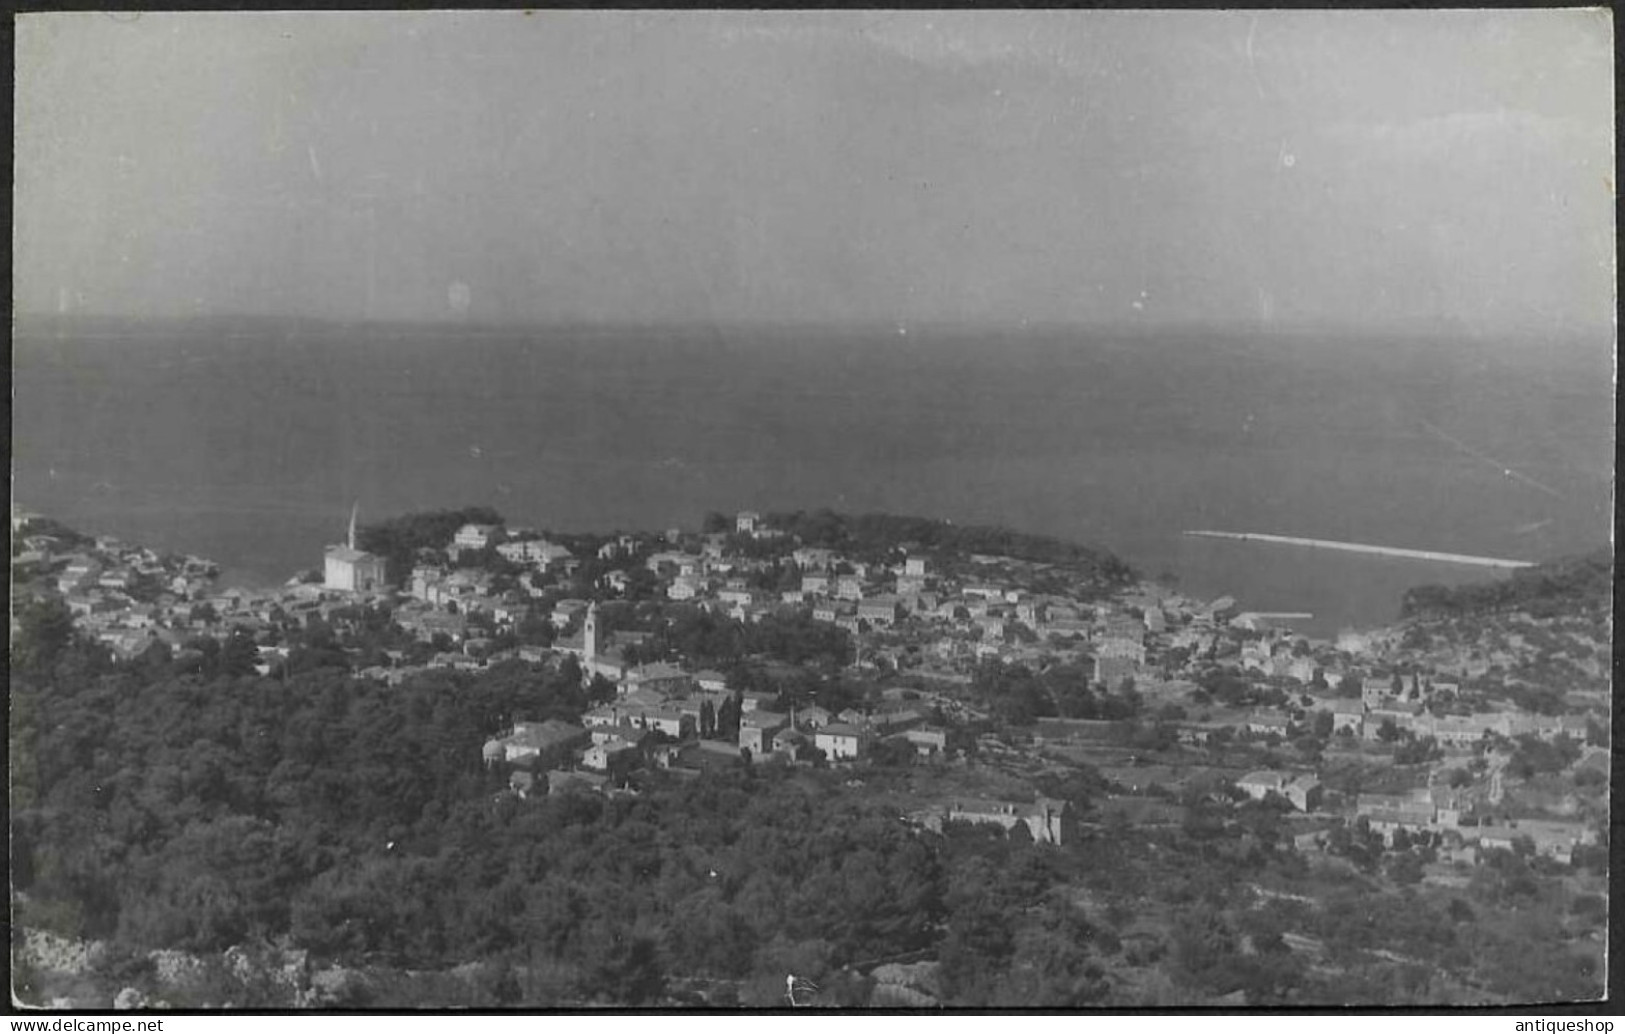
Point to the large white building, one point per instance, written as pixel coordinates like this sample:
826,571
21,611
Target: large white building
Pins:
349,569
476,536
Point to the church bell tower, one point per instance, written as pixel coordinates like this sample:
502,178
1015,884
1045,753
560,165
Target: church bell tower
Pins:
589,632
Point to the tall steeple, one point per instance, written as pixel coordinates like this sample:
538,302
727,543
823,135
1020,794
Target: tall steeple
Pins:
589,632
353,510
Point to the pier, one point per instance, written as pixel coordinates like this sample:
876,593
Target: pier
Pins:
1360,547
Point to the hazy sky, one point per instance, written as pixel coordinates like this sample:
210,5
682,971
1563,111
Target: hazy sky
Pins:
1382,169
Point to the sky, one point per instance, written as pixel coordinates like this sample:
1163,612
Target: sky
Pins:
1387,171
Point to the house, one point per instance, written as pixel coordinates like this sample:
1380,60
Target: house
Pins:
757,728
928,741
1305,792
1044,818
1552,838
454,661
812,558
840,741
814,584
545,741
1030,612
789,741
666,561
564,612
708,679
1302,790
658,678
1387,821
600,756
1310,835
1121,626
1377,717
1377,691
1302,668
1260,784
1197,734
602,717
813,717
751,699
669,720
880,610
535,552
909,585
1385,813
693,705
683,588
619,728
1457,730
1346,714
1268,724
476,537
849,587
830,613
1065,628
745,522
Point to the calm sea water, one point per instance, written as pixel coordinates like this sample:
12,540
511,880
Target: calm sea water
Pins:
249,443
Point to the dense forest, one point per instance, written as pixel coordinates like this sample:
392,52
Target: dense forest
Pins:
1561,587
160,807
399,539
357,821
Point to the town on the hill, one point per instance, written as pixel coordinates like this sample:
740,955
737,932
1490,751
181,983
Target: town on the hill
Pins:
1453,737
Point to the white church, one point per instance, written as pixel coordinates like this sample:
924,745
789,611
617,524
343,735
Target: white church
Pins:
350,569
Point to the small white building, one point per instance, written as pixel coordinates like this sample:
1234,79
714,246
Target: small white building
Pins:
840,741
600,756
476,536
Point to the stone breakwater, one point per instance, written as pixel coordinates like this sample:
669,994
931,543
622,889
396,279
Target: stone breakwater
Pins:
1360,547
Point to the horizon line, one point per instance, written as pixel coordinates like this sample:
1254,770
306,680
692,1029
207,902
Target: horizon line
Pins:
1442,329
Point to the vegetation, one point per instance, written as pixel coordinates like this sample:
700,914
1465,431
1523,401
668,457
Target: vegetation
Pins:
356,820
50,528
398,540
178,801
877,534
1558,587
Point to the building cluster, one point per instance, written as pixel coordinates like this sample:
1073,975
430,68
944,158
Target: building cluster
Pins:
123,596
666,716
928,616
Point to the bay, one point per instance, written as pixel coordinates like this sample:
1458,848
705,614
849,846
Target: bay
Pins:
248,441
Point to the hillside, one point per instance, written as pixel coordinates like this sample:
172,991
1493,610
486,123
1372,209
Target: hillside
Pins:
880,532
1568,585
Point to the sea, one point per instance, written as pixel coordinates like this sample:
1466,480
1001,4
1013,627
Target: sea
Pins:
248,440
